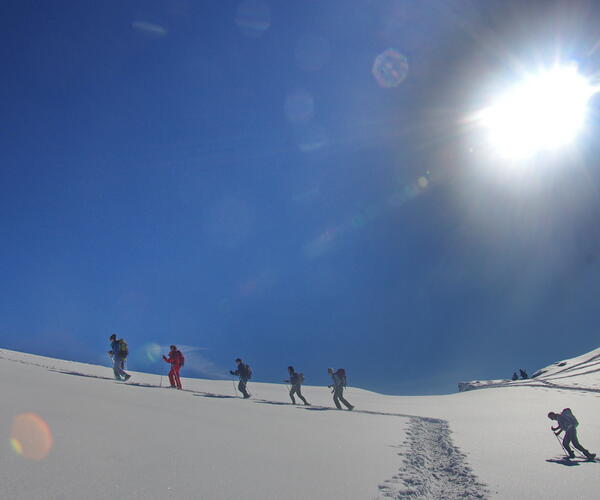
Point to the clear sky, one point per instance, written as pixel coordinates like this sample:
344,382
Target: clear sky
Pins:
292,183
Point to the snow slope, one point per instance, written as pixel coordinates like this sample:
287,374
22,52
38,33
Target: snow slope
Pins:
138,440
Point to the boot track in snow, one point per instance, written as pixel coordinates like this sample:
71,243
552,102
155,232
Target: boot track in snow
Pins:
433,467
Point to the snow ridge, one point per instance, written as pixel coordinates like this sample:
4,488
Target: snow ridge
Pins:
433,467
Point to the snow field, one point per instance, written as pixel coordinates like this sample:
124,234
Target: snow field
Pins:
136,440
115,440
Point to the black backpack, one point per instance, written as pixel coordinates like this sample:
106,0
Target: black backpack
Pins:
341,373
247,372
569,415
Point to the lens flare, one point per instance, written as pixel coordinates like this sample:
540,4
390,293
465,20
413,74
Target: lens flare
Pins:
152,351
253,18
30,436
311,137
149,29
299,106
390,68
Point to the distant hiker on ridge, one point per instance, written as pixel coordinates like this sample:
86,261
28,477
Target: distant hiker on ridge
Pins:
339,382
118,352
245,373
523,374
515,376
568,423
296,380
176,360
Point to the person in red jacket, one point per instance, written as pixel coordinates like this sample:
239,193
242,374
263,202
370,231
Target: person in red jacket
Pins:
176,360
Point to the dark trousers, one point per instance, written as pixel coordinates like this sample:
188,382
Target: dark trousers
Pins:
338,395
571,438
296,390
242,388
118,368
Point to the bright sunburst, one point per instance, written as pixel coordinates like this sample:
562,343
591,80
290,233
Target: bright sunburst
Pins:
543,112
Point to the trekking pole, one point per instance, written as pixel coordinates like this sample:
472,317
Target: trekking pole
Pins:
234,387
560,442
161,381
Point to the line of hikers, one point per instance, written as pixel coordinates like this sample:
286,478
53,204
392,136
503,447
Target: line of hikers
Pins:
566,421
119,351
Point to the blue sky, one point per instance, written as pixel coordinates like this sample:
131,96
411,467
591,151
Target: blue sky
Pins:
231,176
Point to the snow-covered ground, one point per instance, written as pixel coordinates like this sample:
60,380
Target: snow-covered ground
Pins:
138,440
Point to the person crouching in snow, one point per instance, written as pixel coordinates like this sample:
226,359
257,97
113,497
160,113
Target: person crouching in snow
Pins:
176,360
568,423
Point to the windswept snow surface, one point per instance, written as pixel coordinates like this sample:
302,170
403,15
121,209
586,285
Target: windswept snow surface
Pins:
138,440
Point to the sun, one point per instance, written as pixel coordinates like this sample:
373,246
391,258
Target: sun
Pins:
545,111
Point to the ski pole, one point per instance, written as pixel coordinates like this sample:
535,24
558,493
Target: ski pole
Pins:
234,387
560,442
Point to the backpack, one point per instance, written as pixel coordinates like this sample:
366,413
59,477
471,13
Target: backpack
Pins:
341,373
123,349
179,356
301,378
248,372
569,414
297,378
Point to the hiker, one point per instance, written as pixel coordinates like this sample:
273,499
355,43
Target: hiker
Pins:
523,374
568,423
515,376
176,360
296,380
245,373
118,352
339,382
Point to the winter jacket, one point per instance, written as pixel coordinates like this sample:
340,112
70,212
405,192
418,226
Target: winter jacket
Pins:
338,381
175,358
115,347
242,371
295,379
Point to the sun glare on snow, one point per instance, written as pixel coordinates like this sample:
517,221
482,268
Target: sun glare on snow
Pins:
30,436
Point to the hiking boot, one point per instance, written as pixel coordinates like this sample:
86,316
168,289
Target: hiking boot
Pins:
306,403
590,456
571,454
350,408
127,377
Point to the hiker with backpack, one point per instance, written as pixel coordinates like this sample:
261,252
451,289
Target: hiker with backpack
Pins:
176,360
568,423
245,373
339,382
118,352
296,380
523,374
